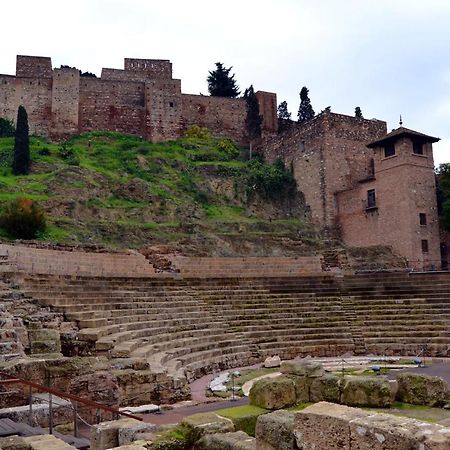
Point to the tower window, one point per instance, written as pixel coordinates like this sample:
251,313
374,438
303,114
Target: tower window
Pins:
417,148
171,104
371,199
424,246
422,219
389,150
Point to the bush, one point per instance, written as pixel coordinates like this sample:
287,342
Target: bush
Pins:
229,148
270,181
69,155
23,219
7,128
195,131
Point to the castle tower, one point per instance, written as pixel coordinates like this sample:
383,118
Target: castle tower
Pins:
397,205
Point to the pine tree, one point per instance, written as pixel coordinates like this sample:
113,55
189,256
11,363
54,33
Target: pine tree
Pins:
221,83
358,113
253,120
21,161
306,111
284,117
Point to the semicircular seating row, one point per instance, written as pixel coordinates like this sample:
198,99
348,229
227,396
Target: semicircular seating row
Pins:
202,325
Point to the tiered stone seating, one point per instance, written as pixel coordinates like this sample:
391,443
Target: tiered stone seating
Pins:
61,262
236,311
245,267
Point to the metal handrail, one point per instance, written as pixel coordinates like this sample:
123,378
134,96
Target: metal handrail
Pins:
74,398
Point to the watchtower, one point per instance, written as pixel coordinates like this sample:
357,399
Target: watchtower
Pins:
397,204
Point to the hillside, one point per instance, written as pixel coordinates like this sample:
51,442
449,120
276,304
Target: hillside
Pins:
198,194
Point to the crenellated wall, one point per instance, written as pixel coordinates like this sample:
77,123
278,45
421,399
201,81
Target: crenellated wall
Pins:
142,99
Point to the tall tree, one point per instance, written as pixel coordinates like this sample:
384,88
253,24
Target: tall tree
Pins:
284,117
253,120
305,111
358,113
21,161
221,83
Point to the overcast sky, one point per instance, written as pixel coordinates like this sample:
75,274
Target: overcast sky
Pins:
389,57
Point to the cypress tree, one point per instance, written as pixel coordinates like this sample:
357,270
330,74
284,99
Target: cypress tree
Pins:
253,120
21,161
284,117
305,111
358,113
221,83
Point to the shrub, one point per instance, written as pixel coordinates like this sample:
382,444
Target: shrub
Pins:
23,219
195,131
68,154
44,151
7,128
229,148
270,181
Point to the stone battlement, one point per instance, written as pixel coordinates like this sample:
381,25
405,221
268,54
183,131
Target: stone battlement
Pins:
142,99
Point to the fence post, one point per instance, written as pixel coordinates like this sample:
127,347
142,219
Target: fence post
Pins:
50,413
30,406
75,419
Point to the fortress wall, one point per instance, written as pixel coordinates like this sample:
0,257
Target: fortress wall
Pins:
153,68
33,93
65,102
268,109
328,155
223,116
164,108
34,66
112,106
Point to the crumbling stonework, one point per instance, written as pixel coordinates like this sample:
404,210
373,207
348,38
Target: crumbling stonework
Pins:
142,99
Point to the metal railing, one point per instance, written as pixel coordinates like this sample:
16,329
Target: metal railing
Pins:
74,399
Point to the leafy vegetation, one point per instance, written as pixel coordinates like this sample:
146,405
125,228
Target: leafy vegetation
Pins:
7,128
23,219
270,181
243,417
443,194
121,190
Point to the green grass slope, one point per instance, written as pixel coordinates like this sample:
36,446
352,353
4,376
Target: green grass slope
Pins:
199,194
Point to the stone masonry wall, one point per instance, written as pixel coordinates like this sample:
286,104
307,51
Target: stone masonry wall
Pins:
112,106
35,94
395,221
65,102
328,155
33,66
223,116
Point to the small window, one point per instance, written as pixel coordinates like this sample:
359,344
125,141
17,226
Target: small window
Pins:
424,246
422,219
418,148
389,150
171,104
371,199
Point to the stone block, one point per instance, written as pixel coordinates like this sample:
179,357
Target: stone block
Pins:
327,388
272,361
273,393
39,347
275,431
198,425
43,334
46,442
367,391
324,426
13,443
129,434
106,434
304,368
329,426
422,389
226,441
302,388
